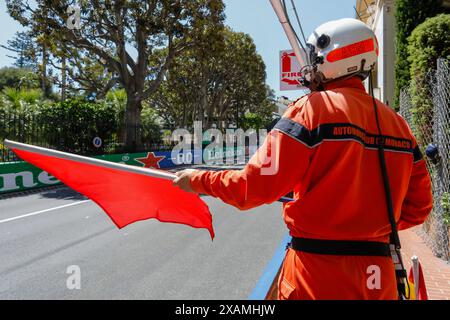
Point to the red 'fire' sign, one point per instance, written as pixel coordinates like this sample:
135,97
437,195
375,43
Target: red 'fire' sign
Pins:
289,71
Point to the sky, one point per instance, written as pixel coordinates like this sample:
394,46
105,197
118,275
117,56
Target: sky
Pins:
257,18
254,17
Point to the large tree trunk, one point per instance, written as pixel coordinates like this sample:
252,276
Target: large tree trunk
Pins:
133,129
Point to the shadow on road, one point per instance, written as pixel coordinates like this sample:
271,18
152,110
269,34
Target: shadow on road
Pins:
17,267
63,193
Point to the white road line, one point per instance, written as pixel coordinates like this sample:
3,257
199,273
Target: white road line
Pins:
43,211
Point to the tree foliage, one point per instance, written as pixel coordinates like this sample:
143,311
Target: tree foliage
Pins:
252,121
428,42
70,125
18,78
151,129
409,14
112,33
24,49
151,126
217,87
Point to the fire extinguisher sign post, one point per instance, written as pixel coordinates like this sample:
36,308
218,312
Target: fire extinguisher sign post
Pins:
289,71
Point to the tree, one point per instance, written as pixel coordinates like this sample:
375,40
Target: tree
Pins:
215,88
408,15
122,36
151,130
24,49
81,73
30,53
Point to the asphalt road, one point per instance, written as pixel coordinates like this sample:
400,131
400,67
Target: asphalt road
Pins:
44,233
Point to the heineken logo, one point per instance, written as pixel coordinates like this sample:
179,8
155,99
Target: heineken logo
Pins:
25,180
21,176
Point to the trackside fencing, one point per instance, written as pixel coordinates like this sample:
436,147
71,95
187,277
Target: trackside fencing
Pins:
425,106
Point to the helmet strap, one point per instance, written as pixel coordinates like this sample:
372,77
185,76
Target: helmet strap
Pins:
319,80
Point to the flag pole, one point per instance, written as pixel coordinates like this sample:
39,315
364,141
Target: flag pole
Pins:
279,10
92,161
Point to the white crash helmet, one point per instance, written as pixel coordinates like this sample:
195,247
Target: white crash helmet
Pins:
341,48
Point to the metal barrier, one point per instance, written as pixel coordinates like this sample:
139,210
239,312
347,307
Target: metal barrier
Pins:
425,106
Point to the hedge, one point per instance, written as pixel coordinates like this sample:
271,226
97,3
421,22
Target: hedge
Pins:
428,42
409,14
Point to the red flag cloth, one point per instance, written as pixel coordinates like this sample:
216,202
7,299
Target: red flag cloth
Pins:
125,196
422,294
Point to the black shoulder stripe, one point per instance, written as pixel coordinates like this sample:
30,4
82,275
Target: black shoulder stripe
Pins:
343,132
417,154
295,130
348,131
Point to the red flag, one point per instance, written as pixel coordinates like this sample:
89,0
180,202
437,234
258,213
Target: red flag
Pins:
417,279
126,193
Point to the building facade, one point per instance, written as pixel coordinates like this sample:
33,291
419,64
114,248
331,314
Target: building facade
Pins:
379,15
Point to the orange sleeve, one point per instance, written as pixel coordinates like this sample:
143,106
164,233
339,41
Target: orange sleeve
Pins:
418,202
272,172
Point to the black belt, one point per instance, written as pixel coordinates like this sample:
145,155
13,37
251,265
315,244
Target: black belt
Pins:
341,247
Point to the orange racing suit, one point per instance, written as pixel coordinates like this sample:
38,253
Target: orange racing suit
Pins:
325,149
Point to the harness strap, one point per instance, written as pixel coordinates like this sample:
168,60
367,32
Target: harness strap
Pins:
341,247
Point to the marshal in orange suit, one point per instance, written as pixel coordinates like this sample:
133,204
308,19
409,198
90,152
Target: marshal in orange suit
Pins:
325,150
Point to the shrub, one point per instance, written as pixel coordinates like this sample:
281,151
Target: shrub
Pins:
72,125
18,96
408,15
428,42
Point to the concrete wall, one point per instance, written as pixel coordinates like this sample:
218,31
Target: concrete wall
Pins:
389,51
380,74
382,23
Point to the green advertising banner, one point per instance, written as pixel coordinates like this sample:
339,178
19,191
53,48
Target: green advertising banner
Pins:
21,176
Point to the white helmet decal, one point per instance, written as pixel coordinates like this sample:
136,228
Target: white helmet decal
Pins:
342,48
